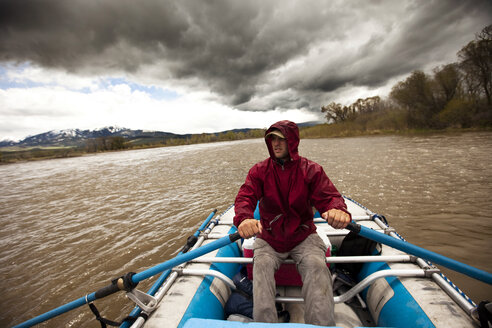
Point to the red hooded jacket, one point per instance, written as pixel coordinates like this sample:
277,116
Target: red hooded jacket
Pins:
286,193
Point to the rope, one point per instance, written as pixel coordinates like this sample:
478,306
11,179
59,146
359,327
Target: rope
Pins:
105,322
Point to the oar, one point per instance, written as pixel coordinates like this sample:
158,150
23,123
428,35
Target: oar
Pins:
421,252
129,281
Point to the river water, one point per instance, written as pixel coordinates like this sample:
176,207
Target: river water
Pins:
69,226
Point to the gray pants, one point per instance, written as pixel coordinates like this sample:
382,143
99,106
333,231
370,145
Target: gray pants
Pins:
317,285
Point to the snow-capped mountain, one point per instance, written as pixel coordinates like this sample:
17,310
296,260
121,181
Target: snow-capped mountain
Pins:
76,137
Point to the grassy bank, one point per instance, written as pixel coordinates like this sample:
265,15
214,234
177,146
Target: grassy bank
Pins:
14,155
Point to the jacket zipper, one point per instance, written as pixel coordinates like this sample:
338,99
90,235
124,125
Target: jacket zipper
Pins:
281,164
272,221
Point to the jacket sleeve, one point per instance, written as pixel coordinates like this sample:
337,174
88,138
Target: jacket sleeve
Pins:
324,194
248,196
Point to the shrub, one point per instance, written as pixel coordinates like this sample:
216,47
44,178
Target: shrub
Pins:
457,113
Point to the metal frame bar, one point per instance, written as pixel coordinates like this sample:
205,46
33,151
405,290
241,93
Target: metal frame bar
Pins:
362,285
336,259
318,220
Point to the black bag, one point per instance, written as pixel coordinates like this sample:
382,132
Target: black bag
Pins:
242,282
241,300
238,303
355,245
485,313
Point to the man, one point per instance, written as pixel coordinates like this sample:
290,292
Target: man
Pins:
287,186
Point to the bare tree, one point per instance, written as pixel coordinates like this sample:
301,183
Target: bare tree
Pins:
476,62
447,82
336,112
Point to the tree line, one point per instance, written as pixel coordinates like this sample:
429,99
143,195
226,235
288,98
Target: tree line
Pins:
453,95
215,137
106,144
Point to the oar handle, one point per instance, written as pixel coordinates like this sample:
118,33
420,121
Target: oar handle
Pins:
234,237
354,227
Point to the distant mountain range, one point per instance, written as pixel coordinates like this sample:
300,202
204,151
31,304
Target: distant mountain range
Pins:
76,137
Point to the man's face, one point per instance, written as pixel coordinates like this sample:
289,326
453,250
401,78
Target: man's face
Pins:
280,148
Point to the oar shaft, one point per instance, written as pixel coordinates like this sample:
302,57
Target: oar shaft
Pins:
59,310
205,223
224,241
422,253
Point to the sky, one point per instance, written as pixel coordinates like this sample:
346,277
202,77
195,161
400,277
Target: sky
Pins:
208,66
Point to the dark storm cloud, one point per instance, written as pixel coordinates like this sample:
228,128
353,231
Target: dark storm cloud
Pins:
73,34
243,50
423,33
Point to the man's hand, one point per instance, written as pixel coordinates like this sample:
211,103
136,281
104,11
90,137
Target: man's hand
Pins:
248,228
338,219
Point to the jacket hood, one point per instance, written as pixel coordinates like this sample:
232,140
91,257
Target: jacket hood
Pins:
291,132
